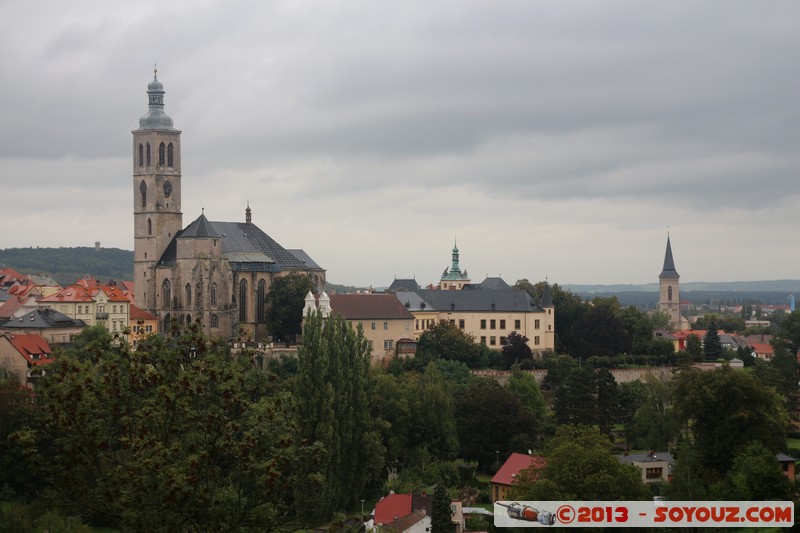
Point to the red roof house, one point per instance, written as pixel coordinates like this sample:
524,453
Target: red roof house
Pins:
505,477
22,354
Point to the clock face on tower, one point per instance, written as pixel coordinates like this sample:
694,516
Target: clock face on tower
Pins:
167,188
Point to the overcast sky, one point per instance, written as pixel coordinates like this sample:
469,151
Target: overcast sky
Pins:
559,139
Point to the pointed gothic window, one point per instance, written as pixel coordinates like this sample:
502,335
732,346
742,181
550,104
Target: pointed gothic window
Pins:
261,301
149,230
143,192
188,320
669,293
161,152
141,155
148,154
166,295
170,156
213,295
214,321
188,296
243,300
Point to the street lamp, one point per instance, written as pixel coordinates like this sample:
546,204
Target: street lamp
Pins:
362,511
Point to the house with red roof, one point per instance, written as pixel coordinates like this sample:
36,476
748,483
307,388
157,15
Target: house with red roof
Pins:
92,302
24,356
143,323
504,478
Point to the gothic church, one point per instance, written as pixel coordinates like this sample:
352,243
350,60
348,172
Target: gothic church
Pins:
216,273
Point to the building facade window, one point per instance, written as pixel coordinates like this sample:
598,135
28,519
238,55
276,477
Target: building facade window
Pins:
653,473
161,154
502,324
483,340
385,326
492,324
242,300
517,324
214,321
188,296
492,341
503,341
170,156
149,230
261,301
372,326
388,344
148,154
213,294
483,323
141,155
461,324
536,324
166,294
669,293
536,340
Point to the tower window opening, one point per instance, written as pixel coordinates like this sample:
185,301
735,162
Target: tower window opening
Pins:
170,155
161,156
149,229
143,192
243,300
148,154
669,293
141,155
166,294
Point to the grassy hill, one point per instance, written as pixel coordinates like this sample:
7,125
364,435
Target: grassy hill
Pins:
67,265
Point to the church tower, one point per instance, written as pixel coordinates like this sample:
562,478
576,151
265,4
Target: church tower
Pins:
156,191
669,299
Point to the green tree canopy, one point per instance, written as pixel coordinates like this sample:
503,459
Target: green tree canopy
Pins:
727,409
580,467
165,438
333,412
712,346
285,301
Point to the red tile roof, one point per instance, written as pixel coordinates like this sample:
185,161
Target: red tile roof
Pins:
762,348
85,291
392,507
33,348
515,464
141,314
369,306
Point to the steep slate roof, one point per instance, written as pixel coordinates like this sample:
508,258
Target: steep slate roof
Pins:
668,272
476,300
403,284
30,345
241,243
302,256
516,463
44,319
369,306
490,284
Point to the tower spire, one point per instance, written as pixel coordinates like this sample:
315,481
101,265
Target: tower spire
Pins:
668,271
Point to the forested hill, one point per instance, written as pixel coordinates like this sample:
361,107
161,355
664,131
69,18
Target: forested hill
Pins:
67,265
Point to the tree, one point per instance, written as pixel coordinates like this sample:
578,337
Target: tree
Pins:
712,347
725,410
607,400
523,385
694,348
165,437
575,399
447,341
440,513
755,475
516,350
568,307
580,467
655,425
601,331
788,334
284,303
333,412
489,418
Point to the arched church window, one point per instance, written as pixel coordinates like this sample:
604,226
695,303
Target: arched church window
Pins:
214,321
166,294
188,295
261,299
141,155
213,295
161,152
669,293
149,229
148,154
143,192
170,155
243,300
188,320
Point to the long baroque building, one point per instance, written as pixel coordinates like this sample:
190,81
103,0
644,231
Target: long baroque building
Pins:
215,273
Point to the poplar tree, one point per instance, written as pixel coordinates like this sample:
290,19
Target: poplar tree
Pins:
333,412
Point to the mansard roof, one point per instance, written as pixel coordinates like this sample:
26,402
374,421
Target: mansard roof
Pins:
44,319
509,300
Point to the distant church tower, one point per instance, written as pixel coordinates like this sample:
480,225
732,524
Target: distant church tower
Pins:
669,299
156,191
